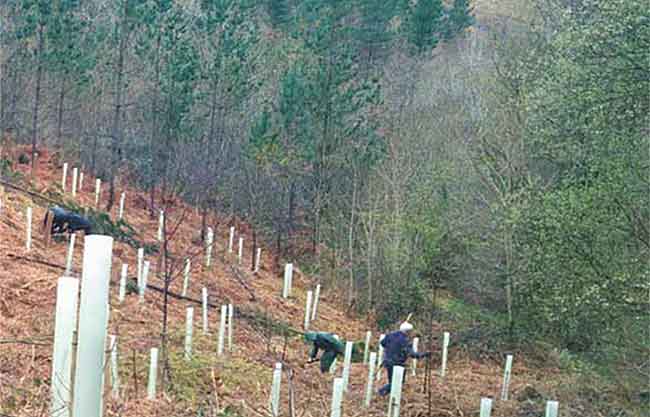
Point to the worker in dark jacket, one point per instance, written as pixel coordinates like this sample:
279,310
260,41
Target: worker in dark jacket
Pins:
67,221
329,344
397,349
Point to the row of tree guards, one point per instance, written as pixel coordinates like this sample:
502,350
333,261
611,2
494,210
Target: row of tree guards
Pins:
374,360
83,397
91,301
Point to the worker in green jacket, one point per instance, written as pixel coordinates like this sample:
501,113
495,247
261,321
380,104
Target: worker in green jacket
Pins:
327,342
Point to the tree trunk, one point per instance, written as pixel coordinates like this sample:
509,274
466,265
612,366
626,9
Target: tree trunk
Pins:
154,124
37,95
59,122
116,133
351,240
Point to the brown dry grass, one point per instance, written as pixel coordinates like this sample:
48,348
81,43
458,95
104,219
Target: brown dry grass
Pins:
242,379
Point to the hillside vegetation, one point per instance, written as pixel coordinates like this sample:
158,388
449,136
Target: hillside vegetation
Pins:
480,165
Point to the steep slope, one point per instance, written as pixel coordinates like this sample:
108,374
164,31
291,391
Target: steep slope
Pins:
237,384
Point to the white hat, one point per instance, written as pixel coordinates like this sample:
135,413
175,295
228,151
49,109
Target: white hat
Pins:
406,327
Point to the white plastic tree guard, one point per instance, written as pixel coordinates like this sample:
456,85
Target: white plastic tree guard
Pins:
288,278
258,259
334,362
161,225
506,378
65,176
366,346
231,316
222,329
145,277
65,322
81,181
337,397
209,240
275,390
231,239
552,409
445,347
380,356
316,298
120,213
486,407
98,190
68,259
240,250
186,277
308,309
153,373
28,238
414,364
123,276
347,361
93,317
189,318
372,364
115,377
140,266
204,305
395,399
75,175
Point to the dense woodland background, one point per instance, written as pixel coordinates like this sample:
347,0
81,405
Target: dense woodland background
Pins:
492,154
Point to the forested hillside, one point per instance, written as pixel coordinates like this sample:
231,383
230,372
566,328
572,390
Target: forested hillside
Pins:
484,165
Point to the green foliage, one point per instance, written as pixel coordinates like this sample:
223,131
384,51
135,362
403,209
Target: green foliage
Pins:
423,25
458,18
278,11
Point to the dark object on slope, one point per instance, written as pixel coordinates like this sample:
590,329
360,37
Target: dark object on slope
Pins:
65,221
327,342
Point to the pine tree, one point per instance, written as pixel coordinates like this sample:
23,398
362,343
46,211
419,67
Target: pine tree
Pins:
423,25
278,11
